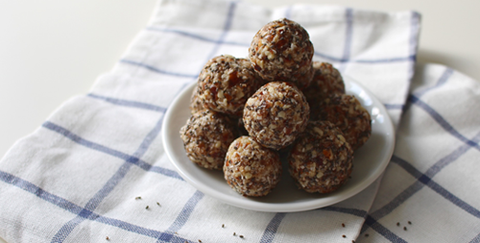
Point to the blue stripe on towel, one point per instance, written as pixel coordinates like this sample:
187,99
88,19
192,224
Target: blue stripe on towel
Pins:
39,192
450,196
347,47
422,181
129,103
476,239
182,218
226,29
414,26
75,209
394,106
95,146
382,230
441,81
157,70
272,227
196,36
417,185
442,122
352,211
93,203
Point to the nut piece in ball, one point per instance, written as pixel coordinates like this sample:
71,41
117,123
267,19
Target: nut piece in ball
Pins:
206,138
321,159
276,114
326,81
251,169
346,112
281,51
225,83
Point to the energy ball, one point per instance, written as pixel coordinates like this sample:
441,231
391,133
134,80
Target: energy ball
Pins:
251,169
326,80
225,83
321,159
346,112
281,51
206,138
276,114
196,104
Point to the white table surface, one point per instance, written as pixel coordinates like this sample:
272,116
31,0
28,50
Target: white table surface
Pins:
52,50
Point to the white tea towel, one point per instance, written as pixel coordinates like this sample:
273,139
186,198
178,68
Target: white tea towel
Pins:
96,171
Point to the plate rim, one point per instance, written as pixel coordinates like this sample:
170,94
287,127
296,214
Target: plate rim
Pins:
279,207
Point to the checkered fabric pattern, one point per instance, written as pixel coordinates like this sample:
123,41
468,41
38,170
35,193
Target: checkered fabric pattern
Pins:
96,171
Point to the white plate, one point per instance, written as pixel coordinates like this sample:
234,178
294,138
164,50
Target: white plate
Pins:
370,161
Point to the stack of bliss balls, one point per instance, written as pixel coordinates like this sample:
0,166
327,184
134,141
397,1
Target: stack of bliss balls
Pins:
248,111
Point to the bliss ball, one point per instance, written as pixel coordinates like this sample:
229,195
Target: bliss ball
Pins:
282,51
276,114
346,112
326,80
225,83
321,159
206,138
196,104
251,169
